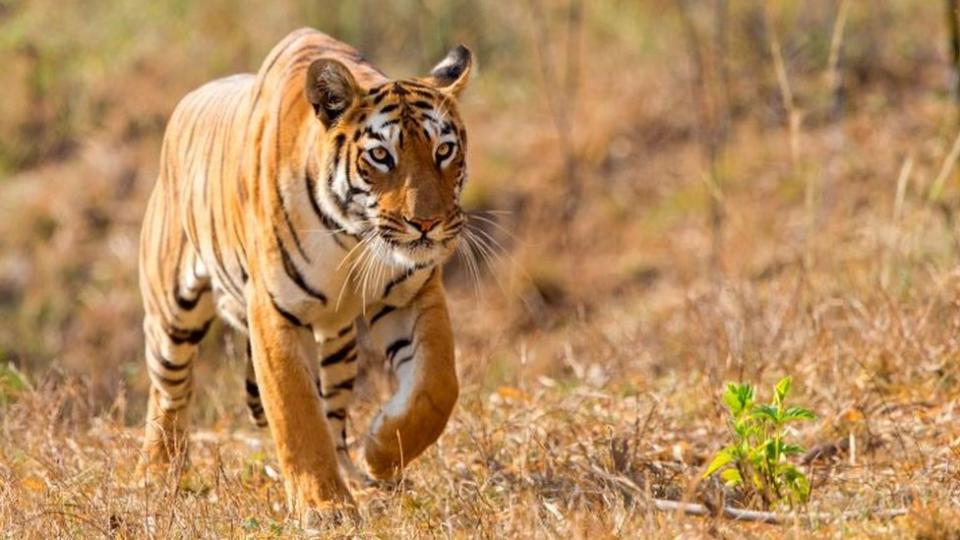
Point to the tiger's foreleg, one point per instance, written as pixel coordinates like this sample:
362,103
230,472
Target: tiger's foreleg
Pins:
305,448
418,344
338,374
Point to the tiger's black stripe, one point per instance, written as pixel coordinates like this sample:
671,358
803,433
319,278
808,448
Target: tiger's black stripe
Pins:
395,347
335,390
154,374
290,268
339,414
324,218
167,364
290,317
179,336
281,202
184,303
386,310
220,268
340,354
396,281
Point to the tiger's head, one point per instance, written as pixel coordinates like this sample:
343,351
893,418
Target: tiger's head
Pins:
393,158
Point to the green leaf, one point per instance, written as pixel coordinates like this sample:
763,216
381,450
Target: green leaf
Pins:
795,480
757,480
770,450
798,413
732,403
791,449
741,428
12,383
723,458
738,398
767,412
783,388
757,455
731,477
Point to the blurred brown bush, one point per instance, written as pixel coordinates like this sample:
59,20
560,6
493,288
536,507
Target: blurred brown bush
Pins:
600,103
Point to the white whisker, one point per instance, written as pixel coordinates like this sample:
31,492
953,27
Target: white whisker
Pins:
466,255
493,223
363,246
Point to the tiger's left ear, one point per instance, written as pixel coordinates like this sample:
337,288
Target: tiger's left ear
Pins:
330,89
453,72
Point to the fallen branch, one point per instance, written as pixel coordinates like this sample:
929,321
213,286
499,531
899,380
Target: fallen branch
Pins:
693,509
776,518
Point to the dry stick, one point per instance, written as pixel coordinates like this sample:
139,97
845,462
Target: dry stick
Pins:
902,180
712,125
794,119
833,61
834,134
937,188
898,200
571,84
723,99
783,82
562,107
953,23
774,518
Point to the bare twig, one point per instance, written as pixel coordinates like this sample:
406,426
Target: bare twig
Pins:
834,136
902,180
953,23
794,115
776,518
834,81
711,94
739,514
937,188
561,95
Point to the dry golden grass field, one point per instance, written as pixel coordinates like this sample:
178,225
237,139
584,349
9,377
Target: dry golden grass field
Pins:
681,193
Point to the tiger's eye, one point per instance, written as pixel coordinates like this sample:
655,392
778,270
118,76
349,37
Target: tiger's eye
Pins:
444,150
379,153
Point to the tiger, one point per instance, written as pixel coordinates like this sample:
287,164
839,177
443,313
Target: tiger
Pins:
296,204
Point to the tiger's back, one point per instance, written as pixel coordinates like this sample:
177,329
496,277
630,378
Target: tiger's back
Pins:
199,176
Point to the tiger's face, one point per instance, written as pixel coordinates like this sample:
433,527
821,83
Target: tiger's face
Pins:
395,163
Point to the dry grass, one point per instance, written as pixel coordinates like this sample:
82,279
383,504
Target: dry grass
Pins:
593,361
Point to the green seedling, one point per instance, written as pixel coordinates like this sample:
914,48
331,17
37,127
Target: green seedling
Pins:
756,462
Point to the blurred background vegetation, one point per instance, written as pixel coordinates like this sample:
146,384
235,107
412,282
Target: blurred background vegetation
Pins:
637,149
684,192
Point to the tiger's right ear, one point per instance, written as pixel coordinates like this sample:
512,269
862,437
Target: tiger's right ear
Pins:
330,89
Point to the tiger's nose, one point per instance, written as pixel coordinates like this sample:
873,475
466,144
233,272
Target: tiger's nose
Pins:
423,225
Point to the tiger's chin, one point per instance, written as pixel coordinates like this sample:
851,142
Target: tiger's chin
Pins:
421,254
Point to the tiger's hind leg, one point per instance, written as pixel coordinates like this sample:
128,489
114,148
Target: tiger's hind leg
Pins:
179,310
254,405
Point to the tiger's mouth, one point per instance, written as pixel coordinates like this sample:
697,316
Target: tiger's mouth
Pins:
419,252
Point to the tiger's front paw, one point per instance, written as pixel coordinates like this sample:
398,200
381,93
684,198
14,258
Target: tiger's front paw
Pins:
318,501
